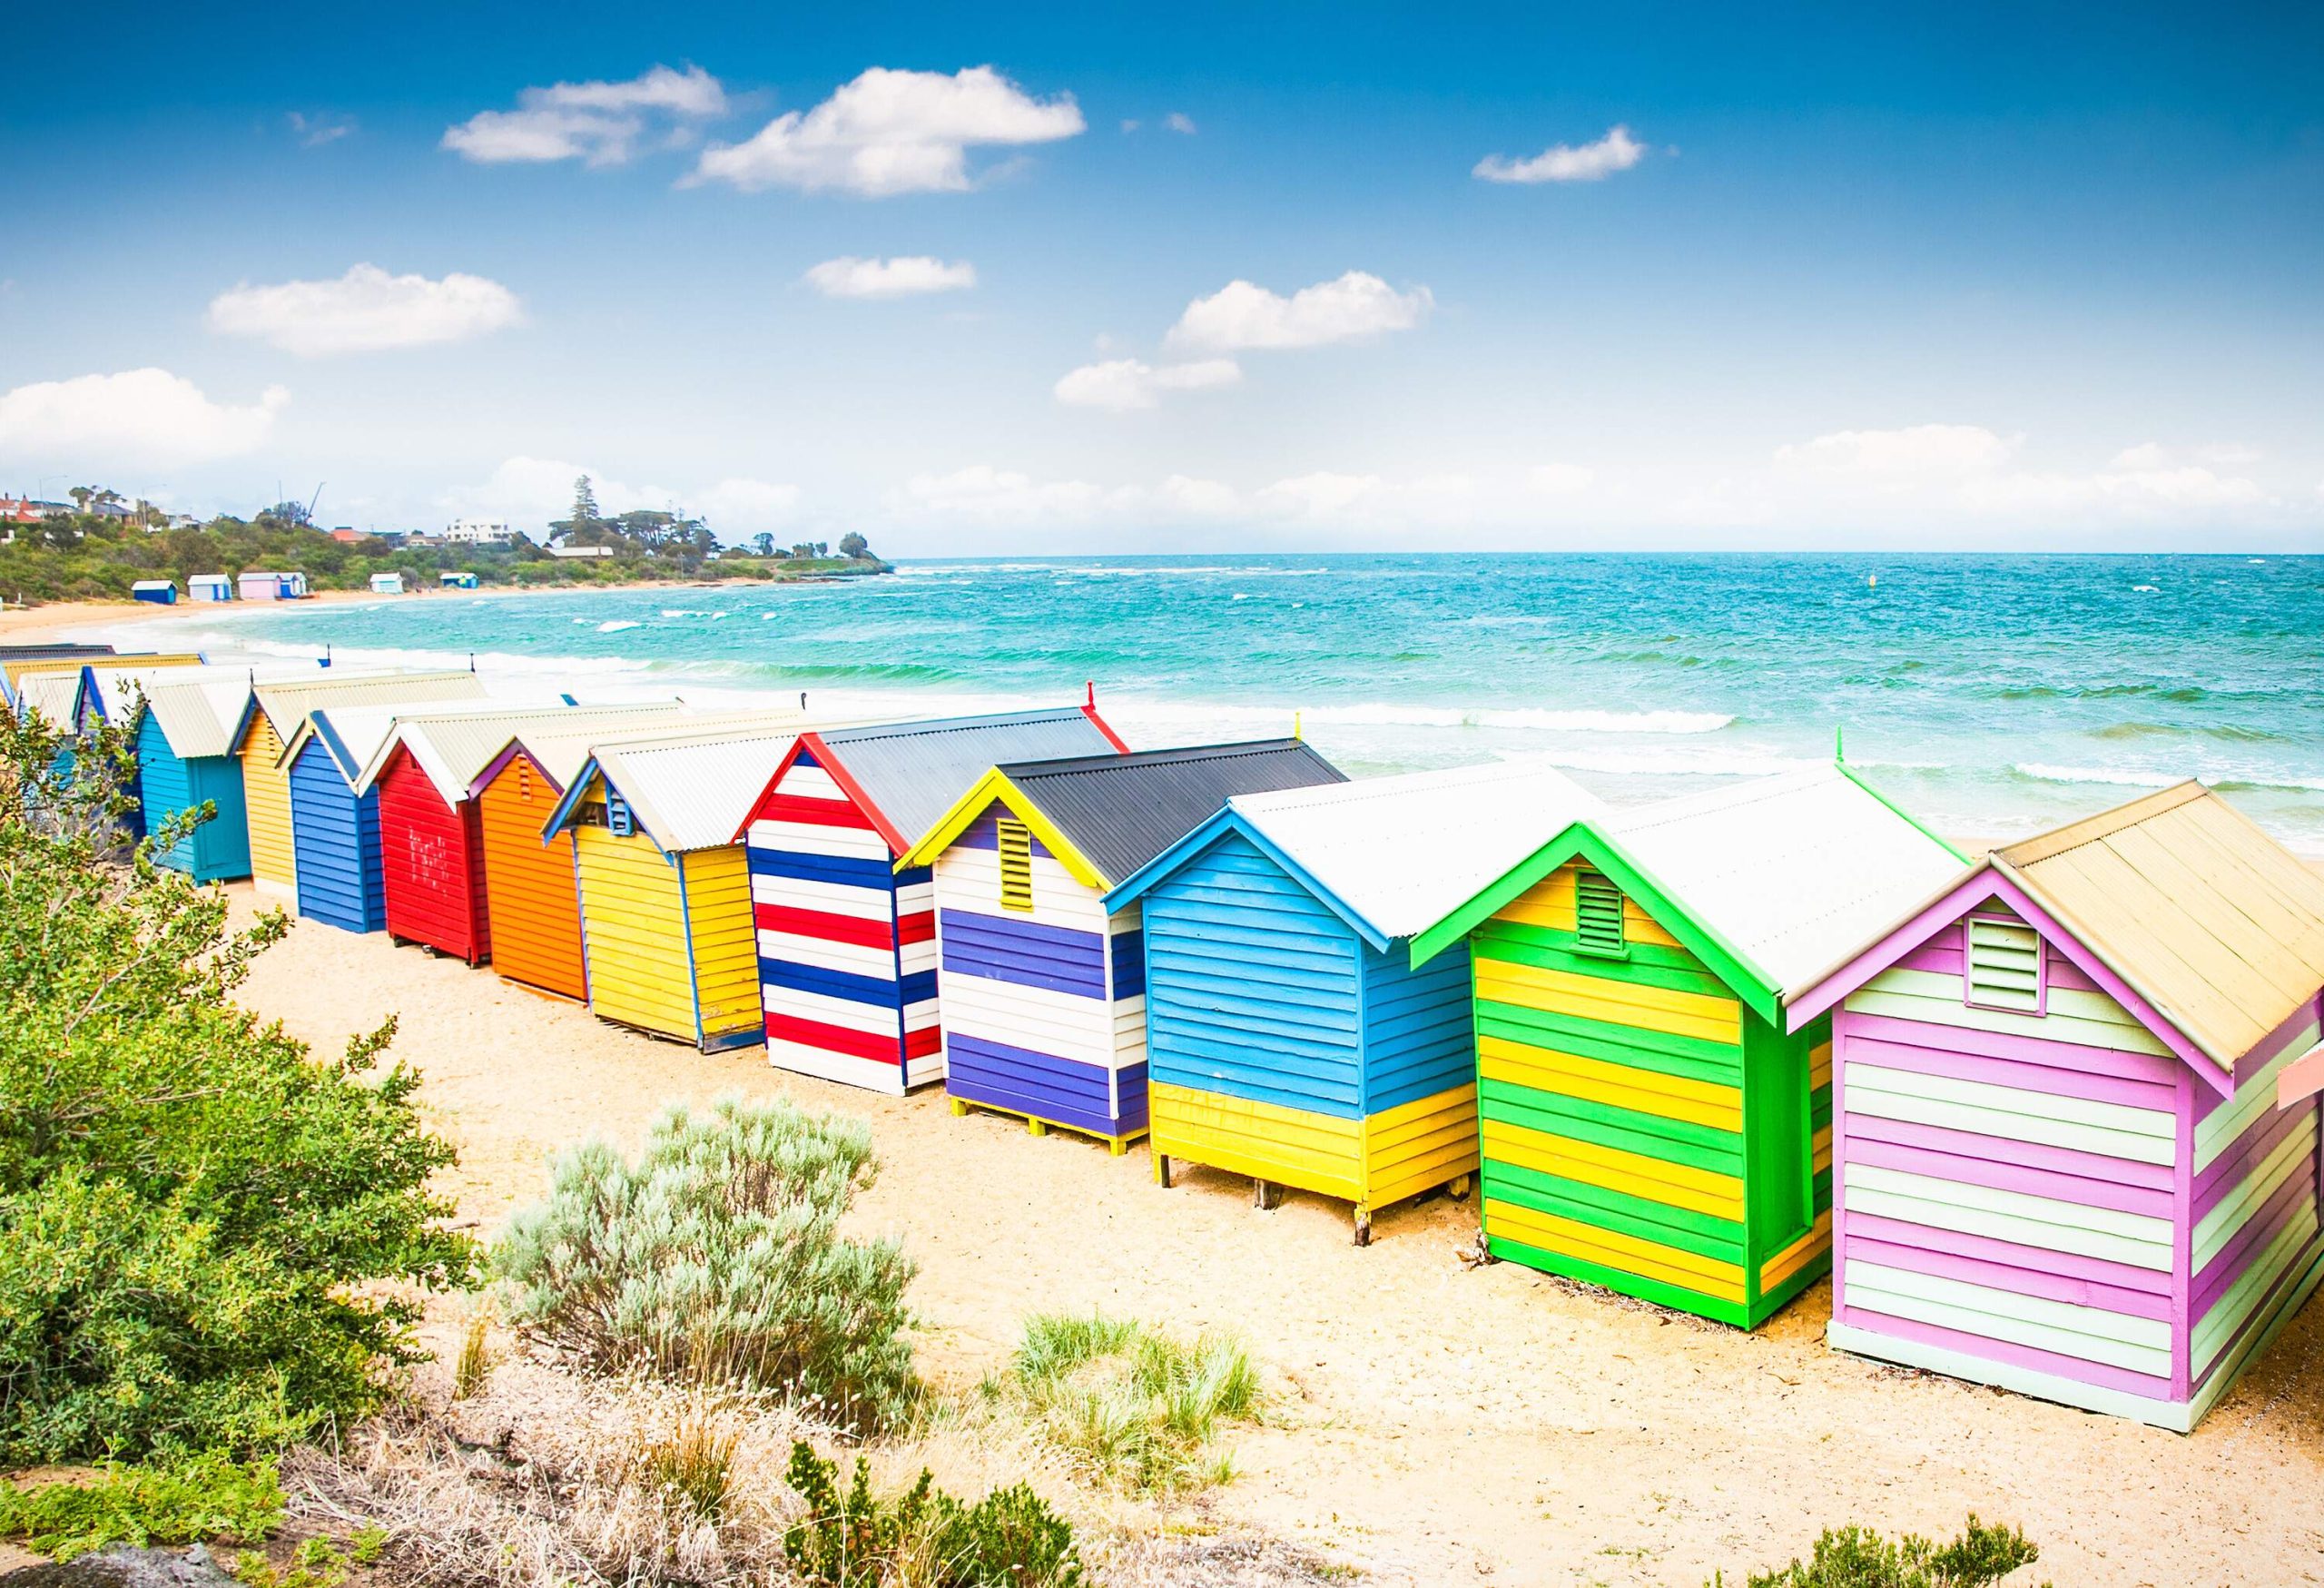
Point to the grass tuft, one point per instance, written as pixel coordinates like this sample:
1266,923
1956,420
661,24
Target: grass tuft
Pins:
1133,1406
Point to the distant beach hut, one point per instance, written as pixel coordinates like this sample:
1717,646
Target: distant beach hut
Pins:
846,942
1044,999
431,851
666,890
209,587
161,592
1287,1035
278,713
2061,1164
386,584
1649,1121
450,580
532,882
271,587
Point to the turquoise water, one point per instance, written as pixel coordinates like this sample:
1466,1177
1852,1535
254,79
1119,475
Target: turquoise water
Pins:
1991,694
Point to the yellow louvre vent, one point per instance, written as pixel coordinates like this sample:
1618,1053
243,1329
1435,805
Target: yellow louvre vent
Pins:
1016,866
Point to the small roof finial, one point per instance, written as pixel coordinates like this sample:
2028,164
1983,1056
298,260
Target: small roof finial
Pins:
1092,701
1298,729
1839,744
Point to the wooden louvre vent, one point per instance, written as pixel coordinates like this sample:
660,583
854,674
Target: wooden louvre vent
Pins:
618,820
1016,866
2004,964
1597,914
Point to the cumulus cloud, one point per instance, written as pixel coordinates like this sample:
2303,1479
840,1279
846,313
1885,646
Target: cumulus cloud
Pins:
739,507
1179,121
890,132
2131,492
1562,480
1913,450
1616,150
365,310
597,123
1241,315
2153,454
1123,384
315,131
531,492
986,494
849,277
143,415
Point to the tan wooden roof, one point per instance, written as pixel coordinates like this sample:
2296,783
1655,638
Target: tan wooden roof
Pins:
2202,914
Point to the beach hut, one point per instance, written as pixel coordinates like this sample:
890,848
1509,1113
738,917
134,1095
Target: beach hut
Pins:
1044,992
1289,1037
531,883
277,714
431,854
847,942
160,591
386,584
451,580
2062,1167
209,587
666,891
1649,1121
70,664
271,587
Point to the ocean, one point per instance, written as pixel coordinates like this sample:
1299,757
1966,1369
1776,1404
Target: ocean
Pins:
1991,696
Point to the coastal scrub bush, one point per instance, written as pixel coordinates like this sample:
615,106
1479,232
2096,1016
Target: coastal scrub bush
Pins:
193,1210
716,1259
1134,1405
851,1539
205,1499
1857,1557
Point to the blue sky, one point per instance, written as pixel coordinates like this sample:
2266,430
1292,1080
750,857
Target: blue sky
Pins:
1958,276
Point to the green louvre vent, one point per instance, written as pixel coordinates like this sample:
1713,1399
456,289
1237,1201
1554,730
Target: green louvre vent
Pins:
1598,915
2004,965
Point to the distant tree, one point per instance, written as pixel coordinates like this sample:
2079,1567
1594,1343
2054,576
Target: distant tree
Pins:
81,495
854,545
762,543
286,515
585,502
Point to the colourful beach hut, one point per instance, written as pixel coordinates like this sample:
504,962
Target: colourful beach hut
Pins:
1649,1120
1044,992
66,671
847,942
1288,1036
278,712
2062,1167
666,890
160,591
431,850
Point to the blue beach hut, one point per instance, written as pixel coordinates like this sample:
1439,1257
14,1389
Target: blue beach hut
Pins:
1288,1036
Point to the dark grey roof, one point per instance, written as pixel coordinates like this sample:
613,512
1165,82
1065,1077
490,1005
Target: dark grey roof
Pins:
915,771
40,652
1121,811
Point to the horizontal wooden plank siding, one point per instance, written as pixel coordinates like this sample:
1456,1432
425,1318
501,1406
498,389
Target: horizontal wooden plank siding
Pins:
534,902
266,802
431,864
724,946
633,921
335,836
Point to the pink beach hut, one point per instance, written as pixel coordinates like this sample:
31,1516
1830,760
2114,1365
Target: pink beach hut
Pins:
2060,1164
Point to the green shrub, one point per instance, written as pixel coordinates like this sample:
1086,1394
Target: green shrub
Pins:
717,1259
1136,1407
207,1498
850,1539
1857,1557
191,1208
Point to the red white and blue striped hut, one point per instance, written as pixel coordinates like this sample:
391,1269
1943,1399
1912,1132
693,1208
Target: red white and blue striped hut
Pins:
847,943
1044,989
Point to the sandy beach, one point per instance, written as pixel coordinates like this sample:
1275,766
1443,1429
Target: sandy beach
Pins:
1442,1424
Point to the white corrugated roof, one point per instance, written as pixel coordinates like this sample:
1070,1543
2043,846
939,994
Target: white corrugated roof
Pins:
453,748
1401,853
693,793
1792,872
356,735
561,755
56,695
198,709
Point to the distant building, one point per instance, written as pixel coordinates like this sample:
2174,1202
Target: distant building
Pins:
386,584
209,587
347,537
478,532
26,510
580,551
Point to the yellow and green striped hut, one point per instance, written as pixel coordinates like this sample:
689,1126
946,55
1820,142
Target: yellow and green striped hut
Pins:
1645,1121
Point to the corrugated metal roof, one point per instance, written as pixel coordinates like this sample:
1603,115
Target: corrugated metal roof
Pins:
286,705
561,756
1401,853
451,750
1791,871
693,793
2198,912
199,710
356,735
915,771
17,671
56,695
1120,811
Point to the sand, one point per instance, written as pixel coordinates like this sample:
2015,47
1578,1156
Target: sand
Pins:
1442,1422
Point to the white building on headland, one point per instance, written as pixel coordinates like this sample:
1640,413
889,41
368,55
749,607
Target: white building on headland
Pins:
478,532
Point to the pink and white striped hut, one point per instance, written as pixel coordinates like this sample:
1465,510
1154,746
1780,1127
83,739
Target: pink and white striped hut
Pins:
2060,1165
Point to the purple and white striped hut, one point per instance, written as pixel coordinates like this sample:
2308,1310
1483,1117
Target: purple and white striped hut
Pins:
2060,1165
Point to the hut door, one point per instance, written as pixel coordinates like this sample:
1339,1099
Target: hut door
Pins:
1779,1193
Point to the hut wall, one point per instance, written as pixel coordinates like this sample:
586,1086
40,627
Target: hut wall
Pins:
725,947
633,922
846,945
164,788
533,899
266,800
335,839
432,864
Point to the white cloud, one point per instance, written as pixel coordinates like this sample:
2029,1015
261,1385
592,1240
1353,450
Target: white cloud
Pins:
741,507
1179,121
2153,454
365,310
1122,384
1207,499
530,492
998,496
849,277
1616,150
597,123
890,131
1241,315
141,416
2125,492
1562,480
1914,450
318,130
2229,452
1322,495
2149,455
